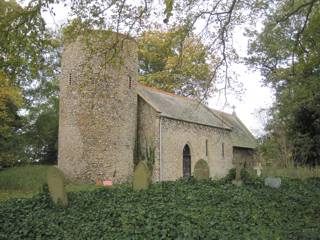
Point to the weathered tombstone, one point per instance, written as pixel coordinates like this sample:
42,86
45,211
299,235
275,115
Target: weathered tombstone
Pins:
258,169
201,170
274,182
141,176
237,181
56,185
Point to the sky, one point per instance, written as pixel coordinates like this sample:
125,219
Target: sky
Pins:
247,105
254,97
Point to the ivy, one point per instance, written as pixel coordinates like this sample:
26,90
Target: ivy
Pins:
186,209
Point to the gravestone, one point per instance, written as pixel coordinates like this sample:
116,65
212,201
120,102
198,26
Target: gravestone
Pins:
141,176
56,185
273,182
258,169
201,170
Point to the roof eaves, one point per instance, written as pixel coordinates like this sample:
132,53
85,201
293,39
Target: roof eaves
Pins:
203,124
245,128
149,102
217,116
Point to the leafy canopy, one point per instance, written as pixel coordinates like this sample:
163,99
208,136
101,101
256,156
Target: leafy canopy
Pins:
175,62
28,66
287,52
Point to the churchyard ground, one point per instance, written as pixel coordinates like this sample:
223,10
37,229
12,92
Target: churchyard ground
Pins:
184,209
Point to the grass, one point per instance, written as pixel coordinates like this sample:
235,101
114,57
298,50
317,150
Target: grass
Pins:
292,172
24,178
26,181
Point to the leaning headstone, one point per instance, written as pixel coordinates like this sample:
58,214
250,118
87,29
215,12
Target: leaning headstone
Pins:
201,170
141,176
56,185
274,182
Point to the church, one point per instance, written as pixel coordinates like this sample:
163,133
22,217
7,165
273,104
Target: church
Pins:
109,121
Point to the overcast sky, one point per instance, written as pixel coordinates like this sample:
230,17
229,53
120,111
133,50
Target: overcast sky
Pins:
247,104
254,97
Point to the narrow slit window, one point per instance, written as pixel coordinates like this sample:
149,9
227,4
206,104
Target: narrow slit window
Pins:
206,147
70,78
222,149
130,81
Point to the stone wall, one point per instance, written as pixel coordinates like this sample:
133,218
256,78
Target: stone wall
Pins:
175,134
98,109
148,133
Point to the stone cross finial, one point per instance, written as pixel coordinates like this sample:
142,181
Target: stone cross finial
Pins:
234,110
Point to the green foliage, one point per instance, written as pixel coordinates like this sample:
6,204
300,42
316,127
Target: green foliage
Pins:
288,53
10,121
56,186
147,154
201,170
26,181
246,176
168,10
141,176
150,156
41,137
292,172
171,210
29,66
23,178
175,62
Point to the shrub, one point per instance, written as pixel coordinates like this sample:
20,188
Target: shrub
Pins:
247,177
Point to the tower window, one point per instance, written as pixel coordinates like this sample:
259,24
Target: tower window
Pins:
222,149
206,147
70,78
130,81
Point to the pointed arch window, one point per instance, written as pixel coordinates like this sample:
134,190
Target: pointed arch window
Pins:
186,161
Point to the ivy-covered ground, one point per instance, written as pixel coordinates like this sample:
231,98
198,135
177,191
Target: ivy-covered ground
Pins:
171,210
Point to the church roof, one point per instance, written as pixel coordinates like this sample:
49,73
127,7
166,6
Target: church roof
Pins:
180,108
241,136
185,109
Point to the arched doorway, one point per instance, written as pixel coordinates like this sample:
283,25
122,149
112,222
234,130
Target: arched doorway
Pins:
186,161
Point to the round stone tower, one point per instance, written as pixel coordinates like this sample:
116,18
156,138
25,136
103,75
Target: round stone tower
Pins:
98,108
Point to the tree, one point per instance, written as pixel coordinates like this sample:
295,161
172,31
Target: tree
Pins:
10,102
41,130
287,52
182,67
28,62
211,21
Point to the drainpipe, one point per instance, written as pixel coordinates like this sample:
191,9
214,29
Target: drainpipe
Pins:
160,149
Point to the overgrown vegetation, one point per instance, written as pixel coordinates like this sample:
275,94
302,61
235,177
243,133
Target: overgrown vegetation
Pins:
185,209
292,172
26,181
24,178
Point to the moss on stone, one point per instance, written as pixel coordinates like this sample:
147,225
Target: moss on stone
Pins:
56,185
141,176
201,170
